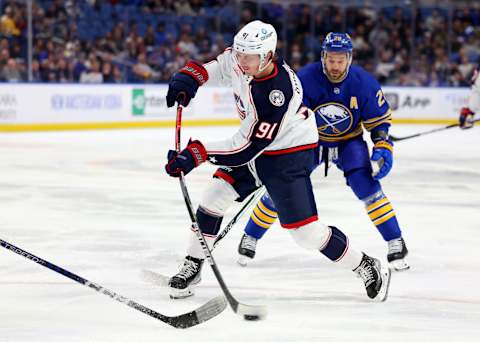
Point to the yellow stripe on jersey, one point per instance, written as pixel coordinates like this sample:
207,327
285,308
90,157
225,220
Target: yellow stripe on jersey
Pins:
384,218
356,132
374,122
381,211
265,218
375,119
377,204
259,221
267,211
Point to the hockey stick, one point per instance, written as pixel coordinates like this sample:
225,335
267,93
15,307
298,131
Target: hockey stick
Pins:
189,319
249,312
427,132
259,193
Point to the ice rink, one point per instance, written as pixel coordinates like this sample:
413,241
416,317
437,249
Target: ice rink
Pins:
99,204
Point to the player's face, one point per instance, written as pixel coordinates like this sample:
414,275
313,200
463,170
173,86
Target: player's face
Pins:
249,63
336,64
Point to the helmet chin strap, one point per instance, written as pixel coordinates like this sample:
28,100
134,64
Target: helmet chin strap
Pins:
260,68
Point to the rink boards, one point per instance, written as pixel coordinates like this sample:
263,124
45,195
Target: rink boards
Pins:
33,107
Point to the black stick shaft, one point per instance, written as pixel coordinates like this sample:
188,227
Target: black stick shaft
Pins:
182,321
427,132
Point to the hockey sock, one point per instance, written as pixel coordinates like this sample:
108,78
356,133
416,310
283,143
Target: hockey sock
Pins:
209,224
262,218
338,250
382,215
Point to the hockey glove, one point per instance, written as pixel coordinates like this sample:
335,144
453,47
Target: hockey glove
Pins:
466,118
184,84
382,158
185,161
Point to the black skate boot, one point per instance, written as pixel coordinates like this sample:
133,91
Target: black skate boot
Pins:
375,277
181,284
246,249
397,251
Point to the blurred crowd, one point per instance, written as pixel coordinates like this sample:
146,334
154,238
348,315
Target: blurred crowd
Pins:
145,41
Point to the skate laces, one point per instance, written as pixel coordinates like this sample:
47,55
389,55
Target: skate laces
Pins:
249,242
395,246
188,269
366,272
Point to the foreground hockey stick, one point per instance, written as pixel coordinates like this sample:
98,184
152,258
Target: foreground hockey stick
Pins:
249,312
427,132
254,198
189,319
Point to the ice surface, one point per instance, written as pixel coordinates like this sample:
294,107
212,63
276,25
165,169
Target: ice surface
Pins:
99,204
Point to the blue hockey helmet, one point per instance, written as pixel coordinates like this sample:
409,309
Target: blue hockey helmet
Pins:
337,42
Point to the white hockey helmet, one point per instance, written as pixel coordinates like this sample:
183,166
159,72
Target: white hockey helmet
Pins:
256,38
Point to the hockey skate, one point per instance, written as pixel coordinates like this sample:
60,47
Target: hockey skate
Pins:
397,251
246,249
375,276
181,284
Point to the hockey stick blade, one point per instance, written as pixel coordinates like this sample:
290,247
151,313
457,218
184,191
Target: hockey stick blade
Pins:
207,311
247,311
155,278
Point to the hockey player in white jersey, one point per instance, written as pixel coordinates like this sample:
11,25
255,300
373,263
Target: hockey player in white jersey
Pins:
467,113
274,147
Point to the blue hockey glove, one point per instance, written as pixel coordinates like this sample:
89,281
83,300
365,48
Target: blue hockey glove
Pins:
184,84
466,118
382,158
185,161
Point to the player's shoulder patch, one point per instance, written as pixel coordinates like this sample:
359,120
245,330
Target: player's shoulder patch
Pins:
271,97
276,97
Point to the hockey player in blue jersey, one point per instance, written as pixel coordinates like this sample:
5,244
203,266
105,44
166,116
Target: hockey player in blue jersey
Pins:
344,98
274,147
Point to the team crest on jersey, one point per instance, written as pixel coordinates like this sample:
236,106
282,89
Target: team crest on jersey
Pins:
276,97
242,112
334,119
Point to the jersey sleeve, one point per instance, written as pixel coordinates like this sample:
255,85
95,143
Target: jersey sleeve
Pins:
304,74
375,112
269,109
474,97
219,69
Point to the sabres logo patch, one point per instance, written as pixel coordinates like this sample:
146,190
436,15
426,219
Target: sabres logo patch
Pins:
276,97
334,119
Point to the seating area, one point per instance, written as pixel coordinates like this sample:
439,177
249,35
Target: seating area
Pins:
145,41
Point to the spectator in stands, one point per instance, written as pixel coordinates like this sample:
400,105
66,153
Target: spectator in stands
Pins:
36,76
167,32
8,26
385,67
92,74
143,72
118,75
11,72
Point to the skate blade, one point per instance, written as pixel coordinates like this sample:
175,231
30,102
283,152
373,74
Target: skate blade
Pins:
386,276
243,260
399,265
180,294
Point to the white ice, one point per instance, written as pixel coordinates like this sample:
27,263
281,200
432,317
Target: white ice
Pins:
99,204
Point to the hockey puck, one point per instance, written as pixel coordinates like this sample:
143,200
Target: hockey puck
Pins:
251,317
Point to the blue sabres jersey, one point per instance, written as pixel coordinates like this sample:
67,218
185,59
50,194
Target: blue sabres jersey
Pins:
341,109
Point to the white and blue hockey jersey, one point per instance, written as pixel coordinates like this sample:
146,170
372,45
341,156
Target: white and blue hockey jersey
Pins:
273,119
